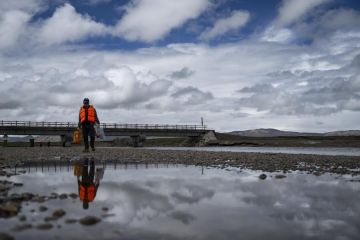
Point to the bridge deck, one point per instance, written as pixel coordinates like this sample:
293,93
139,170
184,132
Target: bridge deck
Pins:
110,129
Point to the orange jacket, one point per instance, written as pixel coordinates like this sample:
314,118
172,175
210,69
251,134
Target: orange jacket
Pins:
91,114
90,190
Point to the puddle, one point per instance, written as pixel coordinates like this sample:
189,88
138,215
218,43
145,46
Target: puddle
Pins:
188,202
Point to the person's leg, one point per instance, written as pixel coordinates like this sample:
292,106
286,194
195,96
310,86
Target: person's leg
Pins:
85,131
92,137
92,170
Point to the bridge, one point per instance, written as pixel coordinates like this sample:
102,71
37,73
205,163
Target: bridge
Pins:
137,132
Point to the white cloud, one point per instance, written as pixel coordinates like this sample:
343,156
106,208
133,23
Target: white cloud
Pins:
66,25
152,20
292,10
12,25
28,6
237,20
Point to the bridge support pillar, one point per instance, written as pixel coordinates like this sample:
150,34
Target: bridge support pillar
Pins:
5,140
138,140
66,140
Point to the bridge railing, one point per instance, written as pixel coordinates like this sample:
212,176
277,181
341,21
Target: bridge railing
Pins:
103,125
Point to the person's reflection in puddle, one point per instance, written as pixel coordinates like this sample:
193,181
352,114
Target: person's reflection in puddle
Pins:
88,181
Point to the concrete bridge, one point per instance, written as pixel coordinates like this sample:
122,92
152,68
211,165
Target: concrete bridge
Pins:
137,132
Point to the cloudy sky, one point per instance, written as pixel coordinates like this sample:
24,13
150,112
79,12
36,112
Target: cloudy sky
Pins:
239,64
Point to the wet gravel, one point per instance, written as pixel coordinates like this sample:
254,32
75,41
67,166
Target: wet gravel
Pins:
268,162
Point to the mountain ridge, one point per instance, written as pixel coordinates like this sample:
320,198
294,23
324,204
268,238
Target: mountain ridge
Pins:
272,132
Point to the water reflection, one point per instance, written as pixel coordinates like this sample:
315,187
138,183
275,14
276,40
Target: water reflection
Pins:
179,202
88,181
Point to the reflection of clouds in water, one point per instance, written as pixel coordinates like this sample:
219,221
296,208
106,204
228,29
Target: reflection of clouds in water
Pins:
192,194
182,203
185,218
135,202
315,207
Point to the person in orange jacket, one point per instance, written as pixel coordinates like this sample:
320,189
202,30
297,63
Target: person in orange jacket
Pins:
87,187
87,118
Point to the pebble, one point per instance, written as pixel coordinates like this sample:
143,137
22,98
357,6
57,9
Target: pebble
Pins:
5,236
73,195
280,176
9,209
63,196
262,176
22,227
58,213
43,208
69,221
44,226
89,220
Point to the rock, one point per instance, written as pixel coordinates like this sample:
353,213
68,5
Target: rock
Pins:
73,195
44,226
69,221
39,199
3,188
58,213
27,196
89,220
51,218
18,184
22,218
105,209
5,236
9,209
317,174
43,208
16,197
262,176
280,176
22,227
63,196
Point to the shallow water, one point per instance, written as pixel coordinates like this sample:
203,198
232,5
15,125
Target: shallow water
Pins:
188,202
291,150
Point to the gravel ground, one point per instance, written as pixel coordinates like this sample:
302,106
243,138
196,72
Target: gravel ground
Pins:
268,162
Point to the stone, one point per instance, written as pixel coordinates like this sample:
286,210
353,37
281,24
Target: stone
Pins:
280,176
22,227
43,208
44,226
105,209
39,199
3,188
89,220
58,213
18,184
22,218
5,236
51,218
63,196
69,221
73,195
262,176
27,196
9,209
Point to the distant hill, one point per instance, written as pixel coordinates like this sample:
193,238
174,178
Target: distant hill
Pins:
270,132
343,133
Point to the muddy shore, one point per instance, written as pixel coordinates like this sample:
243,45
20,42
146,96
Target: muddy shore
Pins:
268,162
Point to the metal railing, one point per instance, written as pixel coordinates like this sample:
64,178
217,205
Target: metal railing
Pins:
103,125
